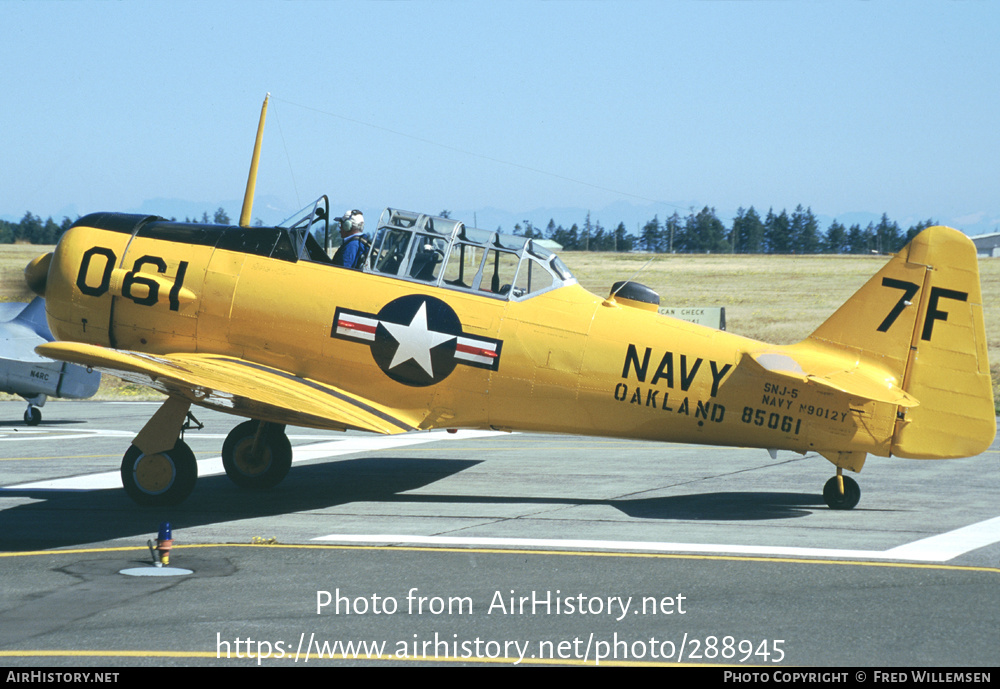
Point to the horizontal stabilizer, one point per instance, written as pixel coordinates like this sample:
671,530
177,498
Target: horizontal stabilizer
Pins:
852,382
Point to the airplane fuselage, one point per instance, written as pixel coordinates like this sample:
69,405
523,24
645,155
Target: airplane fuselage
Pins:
561,361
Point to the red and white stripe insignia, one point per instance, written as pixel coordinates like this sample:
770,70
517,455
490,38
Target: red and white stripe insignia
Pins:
478,351
357,326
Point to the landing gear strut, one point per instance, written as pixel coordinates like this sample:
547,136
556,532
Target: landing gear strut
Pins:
841,498
257,455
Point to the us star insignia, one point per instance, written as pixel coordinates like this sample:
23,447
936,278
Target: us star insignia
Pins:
417,339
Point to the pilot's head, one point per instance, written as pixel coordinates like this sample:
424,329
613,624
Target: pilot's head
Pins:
352,222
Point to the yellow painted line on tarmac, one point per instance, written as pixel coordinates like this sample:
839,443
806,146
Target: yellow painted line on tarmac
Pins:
524,551
77,551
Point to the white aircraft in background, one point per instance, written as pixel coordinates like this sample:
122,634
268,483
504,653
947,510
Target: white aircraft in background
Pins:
33,377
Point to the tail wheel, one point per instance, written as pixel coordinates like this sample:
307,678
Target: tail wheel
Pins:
161,478
32,416
837,501
256,455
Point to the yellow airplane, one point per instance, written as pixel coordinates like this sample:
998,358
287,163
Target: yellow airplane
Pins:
447,326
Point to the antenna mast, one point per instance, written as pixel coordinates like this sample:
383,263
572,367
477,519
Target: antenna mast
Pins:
252,179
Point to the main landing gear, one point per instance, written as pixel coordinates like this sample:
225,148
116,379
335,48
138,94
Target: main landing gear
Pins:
257,455
160,469
159,478
841,492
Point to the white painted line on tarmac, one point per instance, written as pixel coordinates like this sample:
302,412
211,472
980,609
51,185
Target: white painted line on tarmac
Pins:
940,548
213,465
102,481
947,546
48,434
359,443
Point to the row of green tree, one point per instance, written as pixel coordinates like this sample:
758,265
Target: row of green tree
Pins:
33,230
701,232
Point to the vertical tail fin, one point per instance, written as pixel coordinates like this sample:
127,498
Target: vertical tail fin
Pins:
920,320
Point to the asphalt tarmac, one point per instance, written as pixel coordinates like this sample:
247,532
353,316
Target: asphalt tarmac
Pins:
489,548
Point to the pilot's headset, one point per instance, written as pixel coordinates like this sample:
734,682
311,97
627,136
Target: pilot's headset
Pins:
352,221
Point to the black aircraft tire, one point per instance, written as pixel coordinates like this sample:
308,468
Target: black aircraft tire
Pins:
847,501
32,416
266,471
164,478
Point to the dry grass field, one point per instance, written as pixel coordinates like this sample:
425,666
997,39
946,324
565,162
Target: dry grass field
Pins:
779,299
13,259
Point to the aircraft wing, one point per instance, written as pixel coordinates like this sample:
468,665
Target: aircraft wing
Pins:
239,386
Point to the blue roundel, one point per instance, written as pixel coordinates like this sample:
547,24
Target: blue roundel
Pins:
415,340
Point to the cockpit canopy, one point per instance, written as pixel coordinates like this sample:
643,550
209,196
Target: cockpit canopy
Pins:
444,253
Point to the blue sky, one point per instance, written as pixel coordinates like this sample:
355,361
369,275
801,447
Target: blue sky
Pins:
520,106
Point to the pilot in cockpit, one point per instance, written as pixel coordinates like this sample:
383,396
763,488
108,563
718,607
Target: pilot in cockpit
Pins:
351,253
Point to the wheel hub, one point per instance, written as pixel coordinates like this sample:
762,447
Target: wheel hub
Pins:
250,463
154,473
